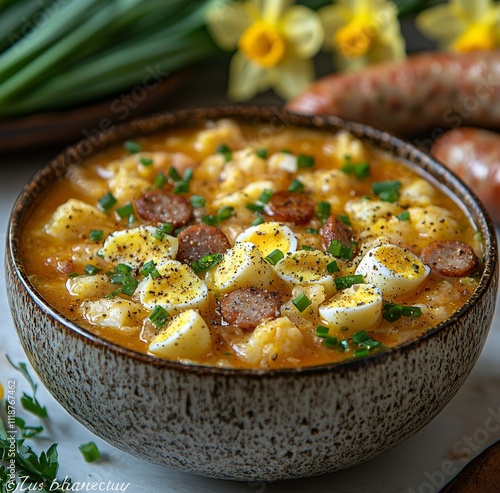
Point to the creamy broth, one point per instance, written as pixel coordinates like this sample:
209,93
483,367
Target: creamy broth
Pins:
309,187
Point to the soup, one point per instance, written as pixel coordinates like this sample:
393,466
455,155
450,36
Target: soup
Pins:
235,246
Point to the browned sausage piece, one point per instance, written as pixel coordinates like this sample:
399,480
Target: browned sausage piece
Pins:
248,307
199,240
335,229
291,207
160,206
474,155
427,91
450,258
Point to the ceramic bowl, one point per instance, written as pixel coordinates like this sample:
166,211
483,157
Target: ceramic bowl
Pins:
241,424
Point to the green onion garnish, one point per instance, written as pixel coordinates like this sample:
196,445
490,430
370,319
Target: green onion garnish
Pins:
296,186
301,302
324,210
312,231
330,342
404,216
222,214
343,346
305,161
125,211
146,161
348,281
393,312
159,316
322,331
255,207
262,153
359,170
91,269
162,230
225,151
160,180
89,451
206,262
275,256
361,353
174,174
107,202
149,268
338,250
286,151
258,220
96,234
387,191
129,285
198,201
306,247
389,196
181,187
132,146
345,219
361,338
265,195
332,267
123,269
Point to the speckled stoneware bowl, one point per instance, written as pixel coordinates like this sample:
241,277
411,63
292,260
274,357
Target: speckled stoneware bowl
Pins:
239,424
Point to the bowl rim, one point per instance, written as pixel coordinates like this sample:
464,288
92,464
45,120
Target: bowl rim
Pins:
413,157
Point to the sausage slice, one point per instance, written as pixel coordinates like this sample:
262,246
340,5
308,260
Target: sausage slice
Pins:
450,258
335,229
248,307
291,207
160,206
199,240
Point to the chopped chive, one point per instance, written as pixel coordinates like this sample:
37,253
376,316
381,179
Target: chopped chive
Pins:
305,161
411,311
123,269
361,353
159,316
225,213
275,256
149,268
146,161
179,230
323,210
332,267
338,250
312,231
132,146
389,196
209,220
206,262
162,230
359,170
343,346
266,194
107,201
96,234
301,302
322,331
330,342
188,174
198,201
404,216
345,219
361,338
225,150
258,220
296,186
306,247
174,174
129,285
387,191
91,269
73,275
181,187
255,207
125,210
262,153
160,180
348,281
89,451
392,312
113,293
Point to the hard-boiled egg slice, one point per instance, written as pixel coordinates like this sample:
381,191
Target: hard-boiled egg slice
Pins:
242,267
268,237
176,289
307,267
186,337
355,308
393,269
138,245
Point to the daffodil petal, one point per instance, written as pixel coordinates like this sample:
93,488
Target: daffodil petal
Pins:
473,10
226,23
440,23
391,44
292,76
332,18
245,78
303,30
272,10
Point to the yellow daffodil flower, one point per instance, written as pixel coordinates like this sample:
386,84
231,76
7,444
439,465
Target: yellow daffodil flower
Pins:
362,32
275,40
463,25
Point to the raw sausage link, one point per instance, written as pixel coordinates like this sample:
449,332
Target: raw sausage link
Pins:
474,155
199,240
427,91
160,206
248,307
450,258
335,229
291,207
